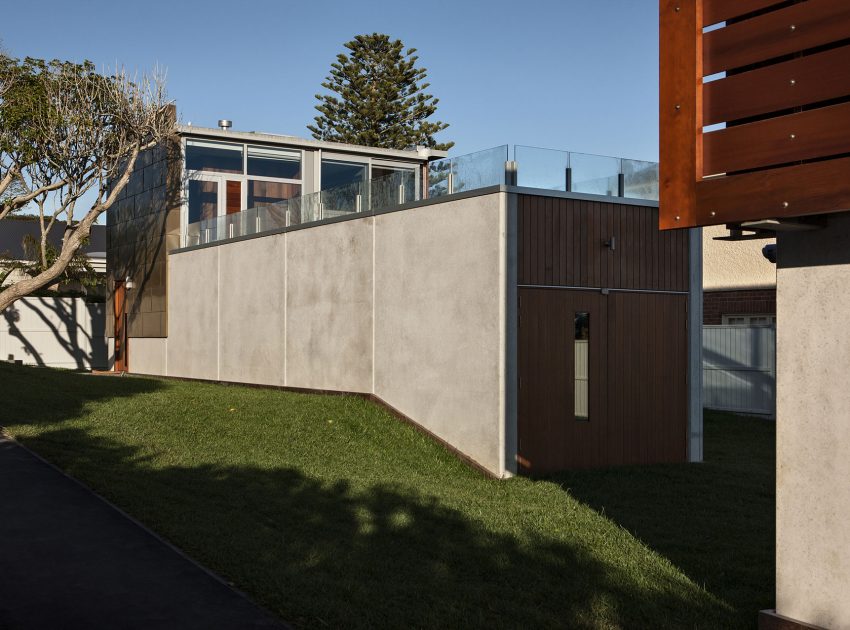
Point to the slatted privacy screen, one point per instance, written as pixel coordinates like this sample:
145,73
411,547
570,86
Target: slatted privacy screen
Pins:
755,110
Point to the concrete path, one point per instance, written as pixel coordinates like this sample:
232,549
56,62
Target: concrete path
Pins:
70,560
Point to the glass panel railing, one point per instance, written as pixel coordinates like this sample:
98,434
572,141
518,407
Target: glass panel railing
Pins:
343,200
640,179
467,172
542,168
393,190
595,174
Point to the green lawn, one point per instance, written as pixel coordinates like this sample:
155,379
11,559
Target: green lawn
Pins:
331,513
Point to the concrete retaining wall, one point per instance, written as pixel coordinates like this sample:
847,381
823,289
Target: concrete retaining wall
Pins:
408,305
55,332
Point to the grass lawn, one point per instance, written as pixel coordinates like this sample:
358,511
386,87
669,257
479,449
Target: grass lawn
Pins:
331,513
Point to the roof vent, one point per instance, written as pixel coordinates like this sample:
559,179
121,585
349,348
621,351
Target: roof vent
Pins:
225,124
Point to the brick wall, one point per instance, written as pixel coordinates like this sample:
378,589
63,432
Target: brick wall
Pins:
750,301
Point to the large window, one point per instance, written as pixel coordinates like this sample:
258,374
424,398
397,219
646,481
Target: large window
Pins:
277,163
262,193
336,173
220,157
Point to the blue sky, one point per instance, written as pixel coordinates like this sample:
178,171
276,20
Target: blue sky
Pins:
580,75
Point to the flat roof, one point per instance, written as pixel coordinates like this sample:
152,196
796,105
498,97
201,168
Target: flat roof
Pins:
418,155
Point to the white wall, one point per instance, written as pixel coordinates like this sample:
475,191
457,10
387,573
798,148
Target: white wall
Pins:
408,305
55,332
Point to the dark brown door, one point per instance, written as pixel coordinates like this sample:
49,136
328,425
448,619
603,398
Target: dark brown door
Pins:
119,308
602,379
562,347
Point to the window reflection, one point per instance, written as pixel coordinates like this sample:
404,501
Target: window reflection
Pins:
203,200
282,164
213,156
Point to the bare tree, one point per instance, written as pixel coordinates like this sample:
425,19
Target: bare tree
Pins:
66,130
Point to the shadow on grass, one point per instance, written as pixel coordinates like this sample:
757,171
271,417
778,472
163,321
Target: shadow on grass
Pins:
715,521
330,555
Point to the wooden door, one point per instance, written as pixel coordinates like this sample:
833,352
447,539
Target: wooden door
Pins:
630,365
119,313
562,348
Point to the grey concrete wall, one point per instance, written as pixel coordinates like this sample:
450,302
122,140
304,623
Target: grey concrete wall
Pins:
252,323
54,332
439,333
408,305
329,306
813,425
147,355
193,323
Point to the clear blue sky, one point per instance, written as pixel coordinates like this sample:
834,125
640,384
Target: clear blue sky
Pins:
580,75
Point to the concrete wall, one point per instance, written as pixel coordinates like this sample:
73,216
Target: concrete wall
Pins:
55,332
813,425
408,305
439,330
735,265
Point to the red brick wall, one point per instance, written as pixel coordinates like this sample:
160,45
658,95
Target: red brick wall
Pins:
715,304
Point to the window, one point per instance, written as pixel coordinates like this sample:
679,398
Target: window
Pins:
262,193
582,362
748,320
203,200
277,163
336,173
220,157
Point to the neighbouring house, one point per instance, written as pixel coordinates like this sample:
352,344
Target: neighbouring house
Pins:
739,283
61,327
524,309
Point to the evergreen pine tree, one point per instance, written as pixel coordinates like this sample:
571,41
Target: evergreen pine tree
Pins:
377,98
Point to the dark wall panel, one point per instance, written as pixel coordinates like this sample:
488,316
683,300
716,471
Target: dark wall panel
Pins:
562,243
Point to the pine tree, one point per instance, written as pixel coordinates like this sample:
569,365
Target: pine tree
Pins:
380,100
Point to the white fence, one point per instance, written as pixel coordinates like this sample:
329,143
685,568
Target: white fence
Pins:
55,332
739,368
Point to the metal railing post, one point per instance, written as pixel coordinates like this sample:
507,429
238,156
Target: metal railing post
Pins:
568,176
511,173
450,183
621,185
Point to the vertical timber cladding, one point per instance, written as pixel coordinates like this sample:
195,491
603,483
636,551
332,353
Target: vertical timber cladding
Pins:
637,344
754,110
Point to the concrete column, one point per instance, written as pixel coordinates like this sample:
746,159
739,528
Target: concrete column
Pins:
813,425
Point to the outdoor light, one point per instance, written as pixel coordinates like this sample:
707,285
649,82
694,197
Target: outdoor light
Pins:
129,284
225,124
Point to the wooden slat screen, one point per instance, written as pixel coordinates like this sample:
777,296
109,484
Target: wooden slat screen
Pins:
715,11
782,104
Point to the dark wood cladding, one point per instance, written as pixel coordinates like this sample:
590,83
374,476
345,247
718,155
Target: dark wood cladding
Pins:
561,242
715,11
785,31
808,135
793,191
637,380
812,79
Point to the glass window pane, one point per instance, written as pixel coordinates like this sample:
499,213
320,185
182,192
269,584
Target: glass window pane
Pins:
265,162
582,362
269,193
336,173
203,200
213,156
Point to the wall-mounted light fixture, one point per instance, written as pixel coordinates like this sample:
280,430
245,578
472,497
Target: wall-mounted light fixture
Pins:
129,284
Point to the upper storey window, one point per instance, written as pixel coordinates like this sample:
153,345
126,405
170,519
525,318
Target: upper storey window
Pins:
277,163
202,155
